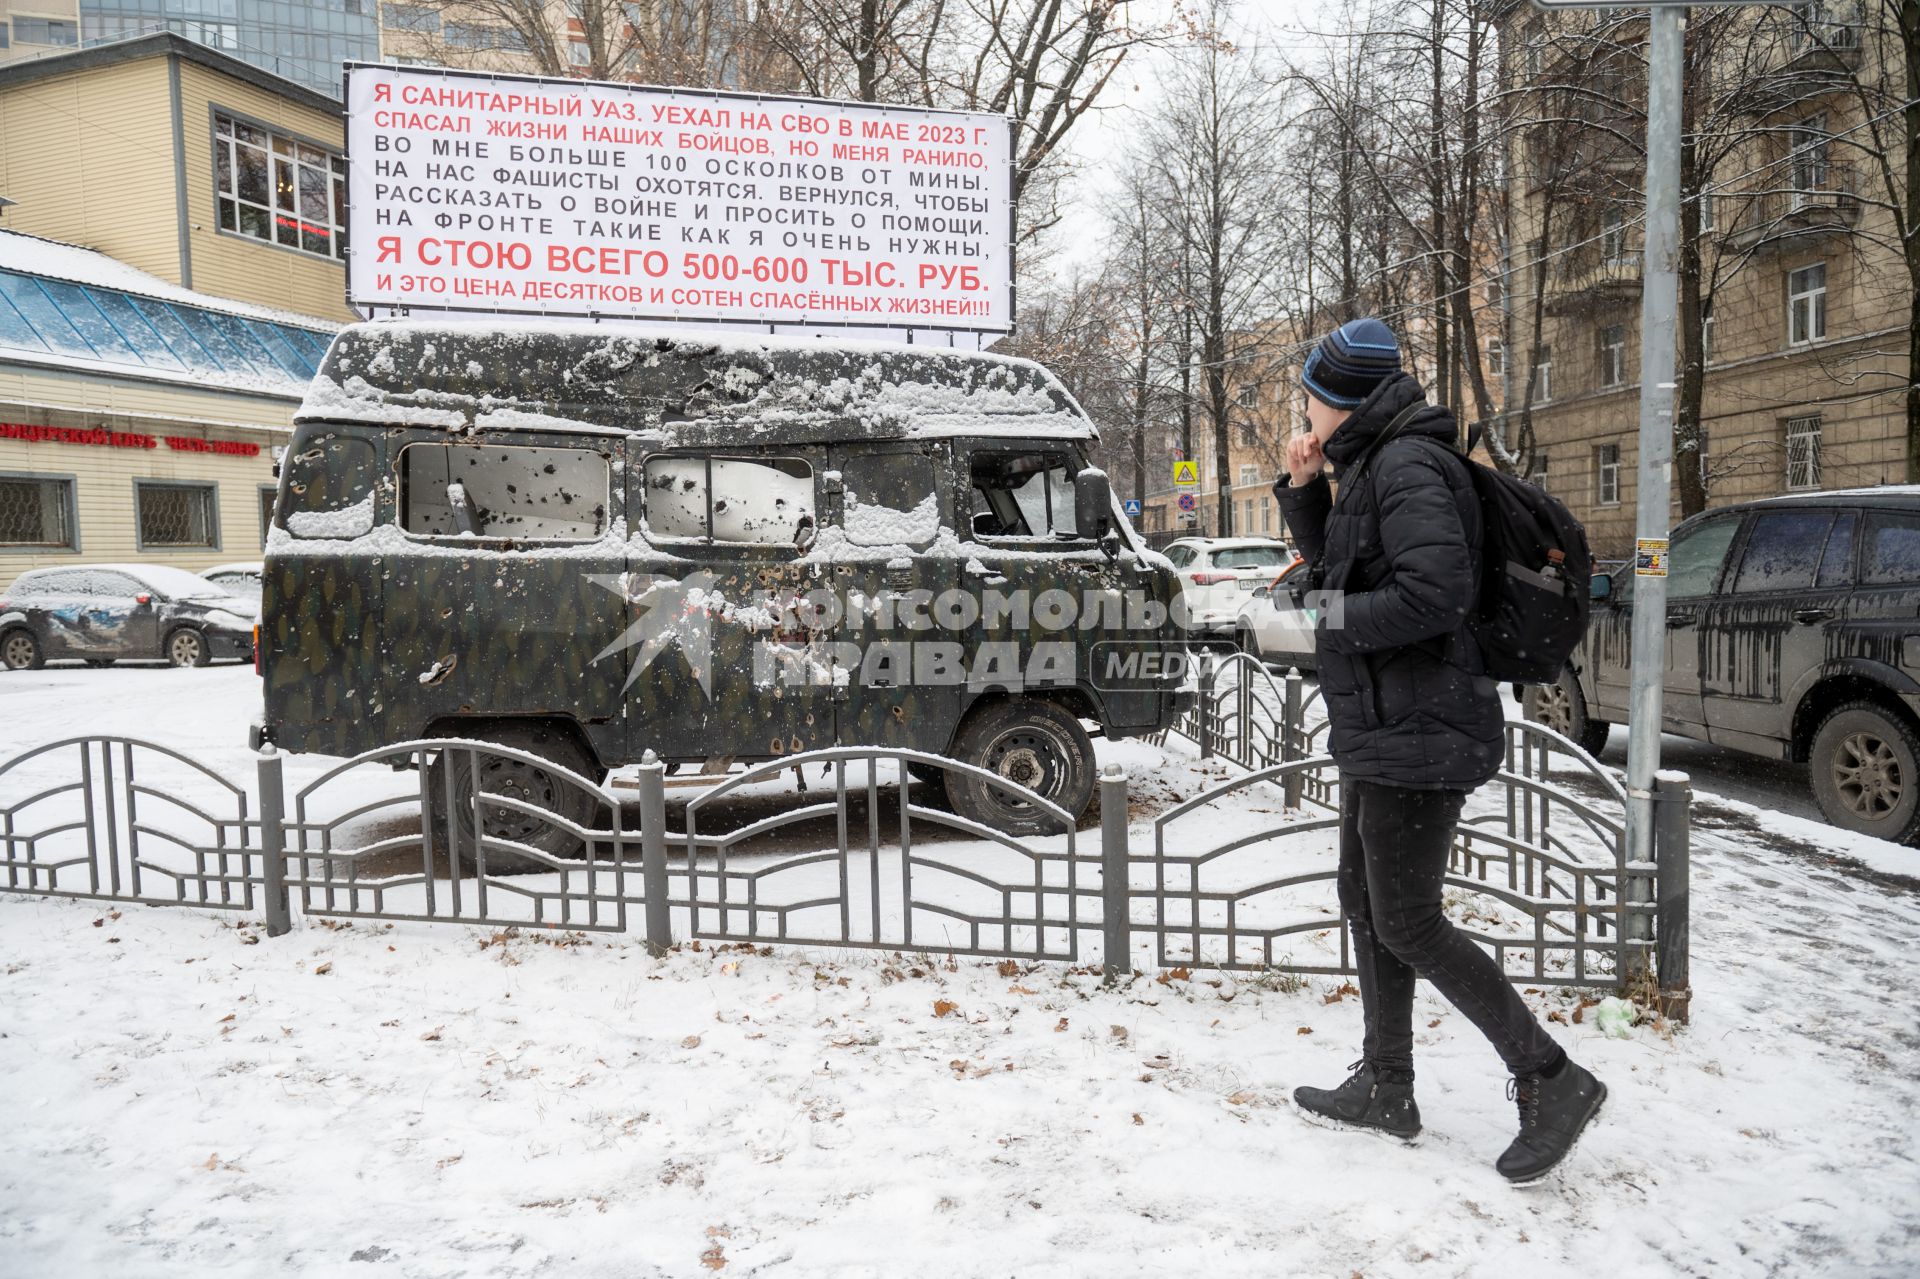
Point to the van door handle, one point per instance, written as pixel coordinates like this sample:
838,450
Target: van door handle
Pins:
1677,620
1808,616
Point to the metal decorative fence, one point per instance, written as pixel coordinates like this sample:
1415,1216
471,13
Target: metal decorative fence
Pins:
452,830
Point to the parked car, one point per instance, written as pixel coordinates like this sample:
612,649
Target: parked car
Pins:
582,571
1793,632
101,613
1218,574
242,580
1272,628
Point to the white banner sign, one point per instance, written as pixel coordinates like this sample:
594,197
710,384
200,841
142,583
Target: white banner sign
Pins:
471,192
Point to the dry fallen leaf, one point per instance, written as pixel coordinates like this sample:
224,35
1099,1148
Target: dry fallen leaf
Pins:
1138,1122
691,1041
1060,1025
323,969
1008,968
944,1007
227,1018
213,1161
713,1258
1021,990
1304,1030
433,1034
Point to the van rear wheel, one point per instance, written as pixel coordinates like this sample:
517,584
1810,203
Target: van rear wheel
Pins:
549,790
1033,744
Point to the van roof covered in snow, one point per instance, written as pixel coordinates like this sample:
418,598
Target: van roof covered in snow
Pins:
684,388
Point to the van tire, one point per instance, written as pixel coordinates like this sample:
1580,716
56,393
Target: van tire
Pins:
1865,770
932,792
1033,743
501,774
1562,707
20,651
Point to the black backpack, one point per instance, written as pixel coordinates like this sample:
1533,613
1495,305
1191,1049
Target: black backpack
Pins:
1534,571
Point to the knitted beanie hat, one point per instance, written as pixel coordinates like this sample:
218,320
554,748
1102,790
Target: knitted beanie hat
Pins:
1350,362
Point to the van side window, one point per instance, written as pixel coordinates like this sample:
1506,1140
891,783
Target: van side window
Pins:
1022,495
327,489
890,499
714,498
503,490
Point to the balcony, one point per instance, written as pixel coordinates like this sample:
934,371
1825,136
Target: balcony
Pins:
1816,59
1586,278
1812,204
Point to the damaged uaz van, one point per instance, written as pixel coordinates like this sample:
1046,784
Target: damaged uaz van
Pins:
589,544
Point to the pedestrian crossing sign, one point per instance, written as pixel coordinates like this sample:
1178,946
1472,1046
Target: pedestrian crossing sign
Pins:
1186,475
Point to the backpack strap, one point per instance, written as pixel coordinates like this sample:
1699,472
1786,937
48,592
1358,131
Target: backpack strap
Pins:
1400,419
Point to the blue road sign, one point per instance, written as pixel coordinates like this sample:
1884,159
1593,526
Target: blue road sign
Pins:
1131,506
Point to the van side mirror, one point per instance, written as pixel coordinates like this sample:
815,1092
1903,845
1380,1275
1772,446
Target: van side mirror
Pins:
1600,586
1092,504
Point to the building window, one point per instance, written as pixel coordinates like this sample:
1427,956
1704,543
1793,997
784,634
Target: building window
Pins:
1606,475
1496,356
37,510
1807,304
1543,375
1706,211
1613,355
1613,236
1706,331
1249,476
1809,141
476,35
280,190
1266,513
176,515
45,31
1803,452
1700,443
411,17
1537,472
6,38
581,53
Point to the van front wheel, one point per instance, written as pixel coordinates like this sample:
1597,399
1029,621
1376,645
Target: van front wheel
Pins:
1033,744
556,797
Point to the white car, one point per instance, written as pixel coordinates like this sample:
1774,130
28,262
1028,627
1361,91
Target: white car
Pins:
1271,628
243,580
1218,575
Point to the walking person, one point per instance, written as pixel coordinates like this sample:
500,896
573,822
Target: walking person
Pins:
1415,725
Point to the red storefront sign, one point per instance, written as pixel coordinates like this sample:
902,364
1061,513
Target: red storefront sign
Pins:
102,438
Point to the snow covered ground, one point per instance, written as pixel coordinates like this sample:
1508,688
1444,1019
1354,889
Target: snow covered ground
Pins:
186,1096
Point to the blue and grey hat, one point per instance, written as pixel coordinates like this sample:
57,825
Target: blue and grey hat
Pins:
1350,362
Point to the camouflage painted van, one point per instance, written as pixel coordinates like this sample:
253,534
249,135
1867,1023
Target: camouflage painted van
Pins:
590,544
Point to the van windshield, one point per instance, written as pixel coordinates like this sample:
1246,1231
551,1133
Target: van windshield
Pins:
1022,495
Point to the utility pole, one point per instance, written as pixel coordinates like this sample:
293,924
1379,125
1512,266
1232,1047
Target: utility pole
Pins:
1659,299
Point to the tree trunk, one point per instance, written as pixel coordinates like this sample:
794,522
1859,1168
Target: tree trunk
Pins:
1910,39
1693,361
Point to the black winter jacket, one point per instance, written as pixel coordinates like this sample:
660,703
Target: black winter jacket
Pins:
1405,688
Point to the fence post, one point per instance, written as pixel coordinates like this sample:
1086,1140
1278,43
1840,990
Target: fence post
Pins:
653,854
1205,706
273,864
1293,733
1116,946
1672,851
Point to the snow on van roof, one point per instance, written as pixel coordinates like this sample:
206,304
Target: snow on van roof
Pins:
723,388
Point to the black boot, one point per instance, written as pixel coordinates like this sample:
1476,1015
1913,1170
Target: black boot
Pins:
1374,1099
1554,1111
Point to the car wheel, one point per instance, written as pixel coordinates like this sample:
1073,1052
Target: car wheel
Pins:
1250,644
21,651
1034,744
1562,707
529,783
1865,770
187,647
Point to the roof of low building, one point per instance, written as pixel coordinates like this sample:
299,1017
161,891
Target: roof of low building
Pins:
67,307
106,53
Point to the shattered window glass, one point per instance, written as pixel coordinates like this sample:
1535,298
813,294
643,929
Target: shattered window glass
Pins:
756,501
890,500
500,490
1783,551
329,487
1022,495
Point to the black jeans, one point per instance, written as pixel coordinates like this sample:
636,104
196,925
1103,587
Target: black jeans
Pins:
1393,861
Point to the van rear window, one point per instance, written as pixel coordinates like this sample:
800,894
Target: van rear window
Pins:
710,498
504,490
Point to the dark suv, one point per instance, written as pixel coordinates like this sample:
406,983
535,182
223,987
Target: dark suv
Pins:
1793,632
102,612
